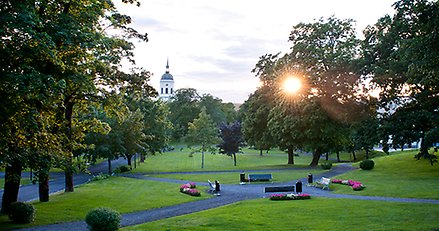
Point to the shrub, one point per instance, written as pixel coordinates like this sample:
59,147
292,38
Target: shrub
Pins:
21,212
99,177
326,165
122,169
103,219
367,164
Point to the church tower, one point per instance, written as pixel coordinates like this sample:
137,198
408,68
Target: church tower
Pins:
166,84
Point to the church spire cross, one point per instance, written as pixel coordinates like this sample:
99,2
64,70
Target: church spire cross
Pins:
167,65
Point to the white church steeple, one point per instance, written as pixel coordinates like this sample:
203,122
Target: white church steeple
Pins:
166,84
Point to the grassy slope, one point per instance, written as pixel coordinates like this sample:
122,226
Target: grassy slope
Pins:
314,214
122,194
413,178
397,175
180,161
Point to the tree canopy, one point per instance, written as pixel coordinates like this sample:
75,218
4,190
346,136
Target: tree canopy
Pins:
401,55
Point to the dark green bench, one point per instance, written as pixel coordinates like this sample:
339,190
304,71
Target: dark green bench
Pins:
259,177
288,188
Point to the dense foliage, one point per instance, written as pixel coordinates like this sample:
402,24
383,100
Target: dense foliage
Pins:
103,219
401,54
232,139
21,212
58,63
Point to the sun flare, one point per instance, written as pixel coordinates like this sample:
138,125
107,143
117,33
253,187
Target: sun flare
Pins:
292,85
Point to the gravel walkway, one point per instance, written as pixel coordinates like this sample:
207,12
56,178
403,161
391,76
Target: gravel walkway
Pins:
229,194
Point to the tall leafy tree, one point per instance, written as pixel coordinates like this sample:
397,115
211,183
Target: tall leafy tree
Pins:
401,55
255,113
157,127
322,56
183,108
53,57
232,139
202,132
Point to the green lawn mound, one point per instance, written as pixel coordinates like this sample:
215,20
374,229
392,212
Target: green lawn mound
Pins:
396,175
314,214
119,193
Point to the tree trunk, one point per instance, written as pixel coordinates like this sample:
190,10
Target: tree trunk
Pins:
315,158
135,164
129,160
327,156
202,156
69,179
109,166
423,150
260,152
234,159
12,185
142,158
355,157
43,187
69,164
367,153
290,155
338,156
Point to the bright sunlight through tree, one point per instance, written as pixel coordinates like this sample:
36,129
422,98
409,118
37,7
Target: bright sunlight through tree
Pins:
292,85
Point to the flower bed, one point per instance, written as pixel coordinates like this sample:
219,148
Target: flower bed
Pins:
291,196
190,188
356,185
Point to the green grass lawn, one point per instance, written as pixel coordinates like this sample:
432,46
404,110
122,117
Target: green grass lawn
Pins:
180,161
396,175
313,214
122,194
233,177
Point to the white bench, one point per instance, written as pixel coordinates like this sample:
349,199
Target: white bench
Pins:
212,186
324,182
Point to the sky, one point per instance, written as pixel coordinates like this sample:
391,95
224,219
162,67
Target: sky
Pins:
213,45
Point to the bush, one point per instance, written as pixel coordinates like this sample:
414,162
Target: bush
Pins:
99,177
122,169
367,164
326,165
103,219
21,212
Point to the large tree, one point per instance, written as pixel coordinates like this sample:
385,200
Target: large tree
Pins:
401,54
322,57
255,113
54,56
183,108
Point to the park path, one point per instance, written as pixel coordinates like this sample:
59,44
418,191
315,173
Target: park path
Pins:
230,193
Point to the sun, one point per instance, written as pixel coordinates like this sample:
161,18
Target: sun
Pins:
292,85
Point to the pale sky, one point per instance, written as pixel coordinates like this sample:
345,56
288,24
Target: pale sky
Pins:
213,45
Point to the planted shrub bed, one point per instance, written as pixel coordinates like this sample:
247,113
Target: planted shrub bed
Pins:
289,196
190,188
356,185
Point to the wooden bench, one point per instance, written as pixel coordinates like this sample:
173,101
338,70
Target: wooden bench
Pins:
259,177
288,188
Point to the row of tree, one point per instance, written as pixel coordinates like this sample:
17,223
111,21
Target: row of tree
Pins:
64,92
334,111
